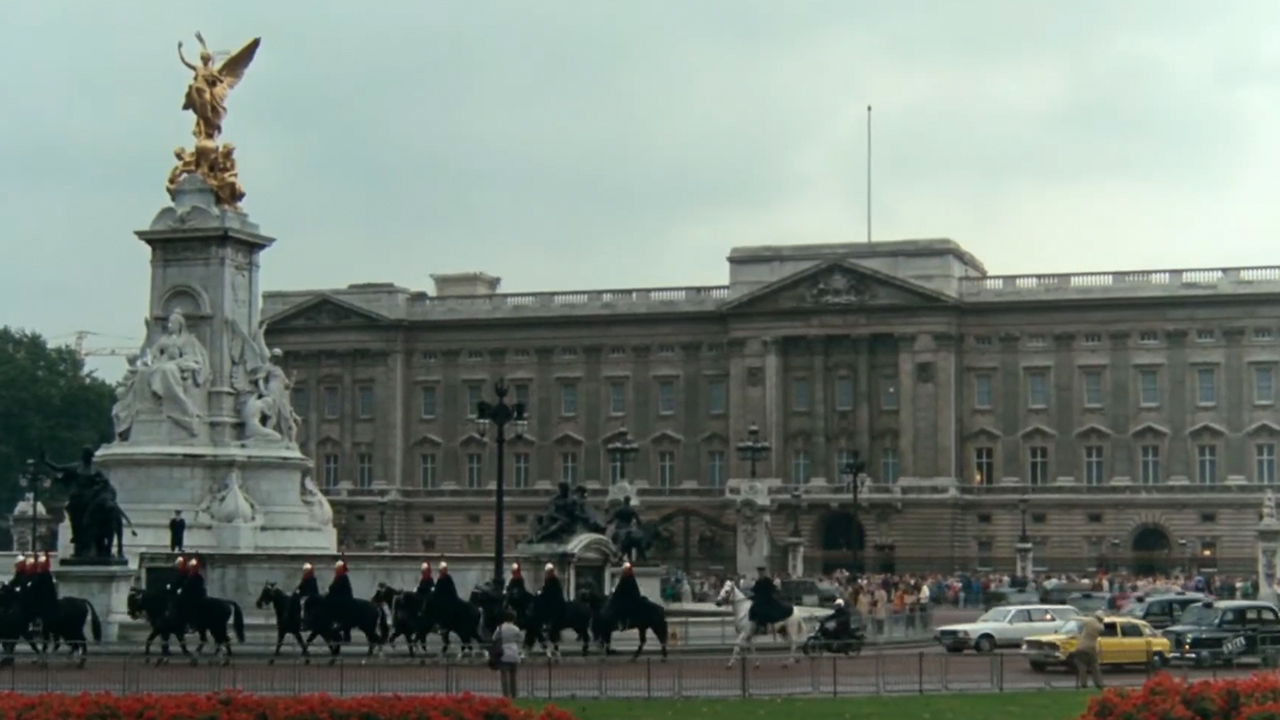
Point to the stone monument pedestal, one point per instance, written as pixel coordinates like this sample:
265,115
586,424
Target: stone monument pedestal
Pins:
106,587
1268,533
580,562
795,557
1025,559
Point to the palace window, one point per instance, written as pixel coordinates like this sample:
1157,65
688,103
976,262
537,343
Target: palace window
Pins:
475,465
1038,389
364,401
1093,388
474,395
1149,464
1207,464
430,401
1149,388
844,393
364,468
1264,385
715,468
1092,339
983,391
800,467
617,351
843,459
569,467
1263,335
475,355
1206,386
666,397
617,397
717,397
984,466
615,469
1264,463
568,399
301,401
332,399
800,395
1038,465
1206,336
520,470
522,395
889,465
1148,337
427,470
1093,465
331,470
888,394
666,469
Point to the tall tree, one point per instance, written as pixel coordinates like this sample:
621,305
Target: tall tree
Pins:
47,403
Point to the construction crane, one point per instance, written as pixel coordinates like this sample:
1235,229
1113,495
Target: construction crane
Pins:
78,344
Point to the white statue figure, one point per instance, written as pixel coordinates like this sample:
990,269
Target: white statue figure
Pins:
130,393
316,502
264,389
171,375
229,504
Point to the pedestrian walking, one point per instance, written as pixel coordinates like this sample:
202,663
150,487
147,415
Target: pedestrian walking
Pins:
508,637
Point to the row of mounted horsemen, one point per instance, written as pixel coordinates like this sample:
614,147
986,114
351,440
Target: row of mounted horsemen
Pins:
31,610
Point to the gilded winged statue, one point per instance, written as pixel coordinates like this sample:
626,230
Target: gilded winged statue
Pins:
207,93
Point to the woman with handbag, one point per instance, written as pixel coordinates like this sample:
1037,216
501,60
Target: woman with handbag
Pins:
504,652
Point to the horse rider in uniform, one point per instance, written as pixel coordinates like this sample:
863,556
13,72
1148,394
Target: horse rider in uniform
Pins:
766,607
426,583
308,586
626,597
341,596
445,588
193,591
180,575
20,568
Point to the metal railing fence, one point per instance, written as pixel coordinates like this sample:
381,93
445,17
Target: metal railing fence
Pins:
572,677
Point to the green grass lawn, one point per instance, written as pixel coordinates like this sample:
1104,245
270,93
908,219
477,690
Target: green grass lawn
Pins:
1056,705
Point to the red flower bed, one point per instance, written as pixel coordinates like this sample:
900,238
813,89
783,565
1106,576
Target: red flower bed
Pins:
237,706
1163,697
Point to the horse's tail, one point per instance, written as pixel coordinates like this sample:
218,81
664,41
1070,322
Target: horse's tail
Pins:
237,621
95,624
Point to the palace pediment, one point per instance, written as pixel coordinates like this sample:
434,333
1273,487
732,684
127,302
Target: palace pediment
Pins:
325,310
838,285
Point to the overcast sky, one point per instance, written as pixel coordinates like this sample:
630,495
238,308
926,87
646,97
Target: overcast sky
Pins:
603,143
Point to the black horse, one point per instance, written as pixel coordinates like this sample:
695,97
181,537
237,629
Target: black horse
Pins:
452,614
332,620
212,615
409,620
67,624
644,617
288,610
549,619
14,624
157,608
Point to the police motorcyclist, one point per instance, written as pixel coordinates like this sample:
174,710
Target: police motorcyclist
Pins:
838,620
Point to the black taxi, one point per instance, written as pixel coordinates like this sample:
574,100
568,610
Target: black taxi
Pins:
1218,632
1162,610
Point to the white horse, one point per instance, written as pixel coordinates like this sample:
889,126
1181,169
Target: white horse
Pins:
792,627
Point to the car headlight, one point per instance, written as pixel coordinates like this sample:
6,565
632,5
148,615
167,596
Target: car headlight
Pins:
963,633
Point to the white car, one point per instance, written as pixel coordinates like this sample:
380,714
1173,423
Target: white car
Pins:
1004,627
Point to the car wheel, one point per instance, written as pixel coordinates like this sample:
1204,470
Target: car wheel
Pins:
1156,662
1038,666
985,644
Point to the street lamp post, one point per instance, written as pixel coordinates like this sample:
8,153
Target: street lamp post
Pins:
853,469
621,450
499,415
753,449
1024,547
31,480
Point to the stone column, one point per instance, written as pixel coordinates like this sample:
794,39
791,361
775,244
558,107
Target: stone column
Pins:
821,462
865,401
906,407
774,402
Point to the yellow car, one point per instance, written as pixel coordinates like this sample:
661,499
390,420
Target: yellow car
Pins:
1124,641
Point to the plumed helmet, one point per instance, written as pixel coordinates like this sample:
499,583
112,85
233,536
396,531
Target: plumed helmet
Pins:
550,569
340,565
426,567
626,569
306,567
444,567
181,562
192,564
515,567
20,561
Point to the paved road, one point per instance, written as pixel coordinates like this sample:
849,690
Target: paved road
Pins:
900,671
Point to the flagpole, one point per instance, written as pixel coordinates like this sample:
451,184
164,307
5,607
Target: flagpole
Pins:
868,173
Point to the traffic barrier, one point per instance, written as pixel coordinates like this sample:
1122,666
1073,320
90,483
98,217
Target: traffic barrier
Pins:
873,673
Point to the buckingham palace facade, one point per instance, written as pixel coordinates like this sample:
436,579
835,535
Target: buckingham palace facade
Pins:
1126,419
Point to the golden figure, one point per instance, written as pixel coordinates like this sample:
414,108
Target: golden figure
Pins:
206,98
207,93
